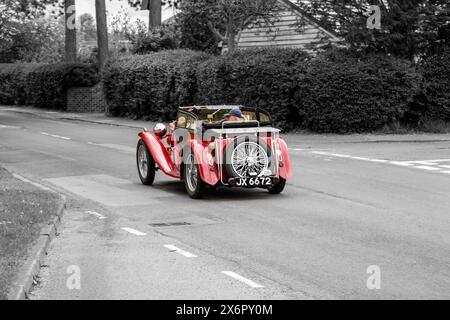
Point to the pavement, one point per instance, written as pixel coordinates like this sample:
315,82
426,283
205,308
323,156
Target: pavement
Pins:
356,204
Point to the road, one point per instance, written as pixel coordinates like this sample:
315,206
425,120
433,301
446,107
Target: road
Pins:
354,202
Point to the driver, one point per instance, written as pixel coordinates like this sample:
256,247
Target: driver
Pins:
235,115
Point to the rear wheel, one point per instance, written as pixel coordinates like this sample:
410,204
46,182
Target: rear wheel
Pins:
145,163
195,187
278,188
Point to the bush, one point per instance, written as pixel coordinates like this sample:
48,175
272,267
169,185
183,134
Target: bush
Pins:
263,78
345,93
152,86
435,99
13,77
47,85
157,39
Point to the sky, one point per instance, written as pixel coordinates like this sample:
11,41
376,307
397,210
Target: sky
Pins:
112,6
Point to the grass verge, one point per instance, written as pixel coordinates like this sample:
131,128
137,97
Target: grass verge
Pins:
24,210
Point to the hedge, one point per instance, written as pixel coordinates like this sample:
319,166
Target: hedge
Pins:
436,86
355,94
152,86
48,84
264,78
338,92
13,88
43,86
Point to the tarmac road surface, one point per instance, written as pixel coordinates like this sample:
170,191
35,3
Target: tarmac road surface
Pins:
356,205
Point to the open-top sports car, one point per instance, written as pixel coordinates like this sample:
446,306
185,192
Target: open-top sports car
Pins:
229,146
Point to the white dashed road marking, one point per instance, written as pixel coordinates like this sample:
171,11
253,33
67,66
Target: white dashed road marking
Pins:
54,136
427,165
178,250
340,155
403,164
135,232
8,127
242,279
379,160
116,147
428,168
297,149
96,214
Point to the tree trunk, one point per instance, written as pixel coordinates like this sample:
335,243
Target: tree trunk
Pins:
231,41
71,31
102,33
155,18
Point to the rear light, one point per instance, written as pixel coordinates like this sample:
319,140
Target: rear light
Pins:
280,158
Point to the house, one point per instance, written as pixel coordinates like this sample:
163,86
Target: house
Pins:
291,27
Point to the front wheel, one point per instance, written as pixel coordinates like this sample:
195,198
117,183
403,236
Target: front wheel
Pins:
145,163
278,188
192,180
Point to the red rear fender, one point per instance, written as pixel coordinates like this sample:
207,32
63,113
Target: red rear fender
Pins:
286,169
208,171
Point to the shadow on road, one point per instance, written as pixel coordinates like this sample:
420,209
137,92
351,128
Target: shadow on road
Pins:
217,194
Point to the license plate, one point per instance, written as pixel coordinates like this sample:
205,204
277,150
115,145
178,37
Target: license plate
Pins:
254,182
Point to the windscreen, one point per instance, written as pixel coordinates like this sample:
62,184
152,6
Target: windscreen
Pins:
217,115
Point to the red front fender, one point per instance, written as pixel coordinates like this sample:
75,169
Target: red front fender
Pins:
160,154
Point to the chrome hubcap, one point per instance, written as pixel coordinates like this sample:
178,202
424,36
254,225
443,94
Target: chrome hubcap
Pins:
249,159
143,161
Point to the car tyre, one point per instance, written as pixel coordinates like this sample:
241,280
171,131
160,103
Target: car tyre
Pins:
278,188
193,183
145,164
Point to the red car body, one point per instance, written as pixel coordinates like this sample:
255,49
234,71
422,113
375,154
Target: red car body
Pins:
208,146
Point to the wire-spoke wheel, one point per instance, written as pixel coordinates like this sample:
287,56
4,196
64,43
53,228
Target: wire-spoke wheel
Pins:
247,157
192,179
145,164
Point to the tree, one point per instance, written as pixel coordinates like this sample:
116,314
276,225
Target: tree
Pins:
88,29
226,18
155,9
195,33
157,39
39,40
155,18
25,35
14,13
102,32
409,28
71,31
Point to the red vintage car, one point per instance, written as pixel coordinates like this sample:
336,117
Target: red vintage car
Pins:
228,146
